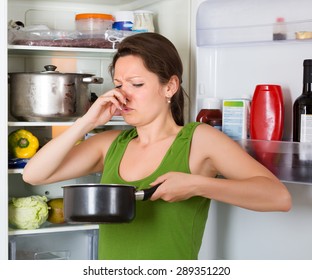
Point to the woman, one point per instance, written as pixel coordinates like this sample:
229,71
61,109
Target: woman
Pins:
147,73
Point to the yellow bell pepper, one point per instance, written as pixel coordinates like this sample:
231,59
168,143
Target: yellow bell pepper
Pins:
22,143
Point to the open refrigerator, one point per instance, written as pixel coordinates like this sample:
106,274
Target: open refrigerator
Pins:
227,49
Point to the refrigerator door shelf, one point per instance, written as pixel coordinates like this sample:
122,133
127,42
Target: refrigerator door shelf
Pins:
289,161
256,23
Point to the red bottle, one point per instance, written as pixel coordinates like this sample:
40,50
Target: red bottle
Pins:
211,113
267,113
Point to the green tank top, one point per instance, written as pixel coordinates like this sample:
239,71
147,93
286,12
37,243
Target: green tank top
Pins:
160,230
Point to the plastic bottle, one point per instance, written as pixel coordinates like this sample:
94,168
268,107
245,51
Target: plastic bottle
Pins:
267,113
211,113
302,109
279,29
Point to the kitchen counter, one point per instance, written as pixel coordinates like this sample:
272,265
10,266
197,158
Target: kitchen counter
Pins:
289,161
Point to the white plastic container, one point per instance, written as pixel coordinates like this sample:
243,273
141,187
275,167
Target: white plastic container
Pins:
92,24
235,118
123,20
143,21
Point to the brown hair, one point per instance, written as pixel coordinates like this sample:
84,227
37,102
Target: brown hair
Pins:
160,57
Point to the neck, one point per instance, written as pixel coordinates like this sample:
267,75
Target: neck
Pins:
157,131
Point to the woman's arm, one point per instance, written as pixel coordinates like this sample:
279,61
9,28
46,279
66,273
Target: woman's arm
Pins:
248,184
61,159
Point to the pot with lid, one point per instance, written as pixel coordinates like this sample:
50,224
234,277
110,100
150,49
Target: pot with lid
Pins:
50,95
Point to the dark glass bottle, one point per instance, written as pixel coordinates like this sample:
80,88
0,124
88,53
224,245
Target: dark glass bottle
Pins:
302,109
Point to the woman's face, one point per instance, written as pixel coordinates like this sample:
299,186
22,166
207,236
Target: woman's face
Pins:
146,97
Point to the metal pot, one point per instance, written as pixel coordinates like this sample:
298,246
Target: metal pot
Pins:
50,95
102,203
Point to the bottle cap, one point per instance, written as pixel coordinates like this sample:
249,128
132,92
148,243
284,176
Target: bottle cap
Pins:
280,19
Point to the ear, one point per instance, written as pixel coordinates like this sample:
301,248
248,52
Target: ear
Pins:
172,86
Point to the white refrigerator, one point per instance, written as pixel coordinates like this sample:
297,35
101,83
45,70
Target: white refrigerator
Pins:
227,48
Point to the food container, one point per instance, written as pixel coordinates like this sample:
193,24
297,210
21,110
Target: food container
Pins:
92,24
50,95
123,20
143,21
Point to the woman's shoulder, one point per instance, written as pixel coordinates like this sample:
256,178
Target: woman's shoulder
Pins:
205,134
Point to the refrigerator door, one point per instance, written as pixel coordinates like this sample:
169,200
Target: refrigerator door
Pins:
235,50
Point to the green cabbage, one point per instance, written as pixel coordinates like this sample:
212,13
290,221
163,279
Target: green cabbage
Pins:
28,212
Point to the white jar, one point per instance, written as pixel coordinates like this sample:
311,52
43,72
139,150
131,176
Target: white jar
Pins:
124,16
143,21
123,20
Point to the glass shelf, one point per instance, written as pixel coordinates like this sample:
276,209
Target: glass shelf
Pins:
113,122
289,161
59,51
47,227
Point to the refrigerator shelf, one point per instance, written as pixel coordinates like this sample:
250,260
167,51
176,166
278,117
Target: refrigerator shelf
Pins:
113,122
60,51
53,229
253,34
289,161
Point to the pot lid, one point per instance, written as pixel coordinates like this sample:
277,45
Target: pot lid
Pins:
51,69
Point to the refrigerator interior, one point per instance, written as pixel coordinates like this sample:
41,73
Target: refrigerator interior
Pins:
235,52
60,15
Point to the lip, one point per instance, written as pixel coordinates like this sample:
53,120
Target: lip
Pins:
126,109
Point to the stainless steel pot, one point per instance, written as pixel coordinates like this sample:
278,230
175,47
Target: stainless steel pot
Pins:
50,95
102,203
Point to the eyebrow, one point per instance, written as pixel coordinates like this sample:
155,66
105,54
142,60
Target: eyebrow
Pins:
131,78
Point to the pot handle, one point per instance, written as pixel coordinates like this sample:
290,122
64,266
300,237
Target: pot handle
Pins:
92,80
145,194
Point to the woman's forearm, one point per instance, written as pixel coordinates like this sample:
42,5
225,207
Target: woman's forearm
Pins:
256,193
50,157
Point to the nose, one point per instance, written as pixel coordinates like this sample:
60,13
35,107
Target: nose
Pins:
125,92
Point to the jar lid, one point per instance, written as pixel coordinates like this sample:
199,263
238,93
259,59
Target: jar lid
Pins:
94,16
124,16
212,103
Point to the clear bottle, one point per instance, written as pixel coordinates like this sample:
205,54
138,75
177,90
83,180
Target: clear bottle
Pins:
279,29
302,108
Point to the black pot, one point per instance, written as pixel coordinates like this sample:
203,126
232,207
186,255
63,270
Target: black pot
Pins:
102,203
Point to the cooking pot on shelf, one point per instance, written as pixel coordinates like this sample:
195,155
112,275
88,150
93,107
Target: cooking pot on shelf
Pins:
102,203
50,95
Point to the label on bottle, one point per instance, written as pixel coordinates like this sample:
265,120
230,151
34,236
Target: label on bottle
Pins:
306,128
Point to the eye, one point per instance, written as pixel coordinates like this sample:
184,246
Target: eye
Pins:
138,85
118,86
